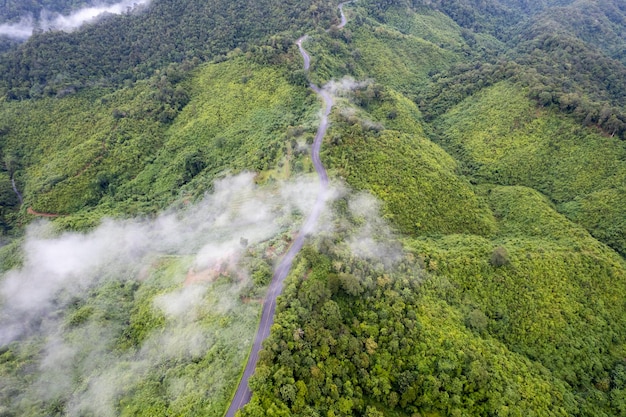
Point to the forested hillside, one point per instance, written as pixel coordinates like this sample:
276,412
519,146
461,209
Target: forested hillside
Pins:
20,19
133,46
15,9
471,260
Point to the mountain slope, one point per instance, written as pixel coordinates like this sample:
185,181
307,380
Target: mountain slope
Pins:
471,261
132,46
534,284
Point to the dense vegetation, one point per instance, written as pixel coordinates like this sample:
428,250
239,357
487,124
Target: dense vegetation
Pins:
503,272
132,46
15,9
490,132
355,340
133,154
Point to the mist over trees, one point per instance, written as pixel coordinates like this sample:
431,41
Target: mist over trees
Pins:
133,46
12,10
471,261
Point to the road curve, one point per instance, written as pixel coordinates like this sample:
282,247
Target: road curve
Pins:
344,19
243,393
303,52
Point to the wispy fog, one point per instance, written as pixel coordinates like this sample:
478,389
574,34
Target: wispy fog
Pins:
58,270
61,267
345,85
21,30
54,21
82,363
373,239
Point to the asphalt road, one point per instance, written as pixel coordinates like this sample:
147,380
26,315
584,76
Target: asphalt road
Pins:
15,190
243,394
344,19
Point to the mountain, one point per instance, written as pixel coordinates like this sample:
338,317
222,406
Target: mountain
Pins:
470,259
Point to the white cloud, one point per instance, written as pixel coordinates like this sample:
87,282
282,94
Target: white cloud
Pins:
345,85
60,267
21,30
49,21
79,363
373,239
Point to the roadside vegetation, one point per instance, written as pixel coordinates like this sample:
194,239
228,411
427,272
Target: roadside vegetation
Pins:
472,263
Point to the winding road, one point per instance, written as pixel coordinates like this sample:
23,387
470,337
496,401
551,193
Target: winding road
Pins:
16,191
243,394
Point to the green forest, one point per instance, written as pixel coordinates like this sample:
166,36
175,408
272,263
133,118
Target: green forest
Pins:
471,260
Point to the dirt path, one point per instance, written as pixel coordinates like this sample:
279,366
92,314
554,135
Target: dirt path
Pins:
40,214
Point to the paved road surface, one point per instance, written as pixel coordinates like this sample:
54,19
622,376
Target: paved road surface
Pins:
305,55
15,190
243,394
344,19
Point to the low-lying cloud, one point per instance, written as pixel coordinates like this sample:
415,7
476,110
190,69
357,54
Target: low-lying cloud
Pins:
373,239
21,30
62,267
54,21
345,85
37,299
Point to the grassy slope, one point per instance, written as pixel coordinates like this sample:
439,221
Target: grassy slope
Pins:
399,53
400,61
501,137
236,118
62,146
557,303
413,176
560,299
